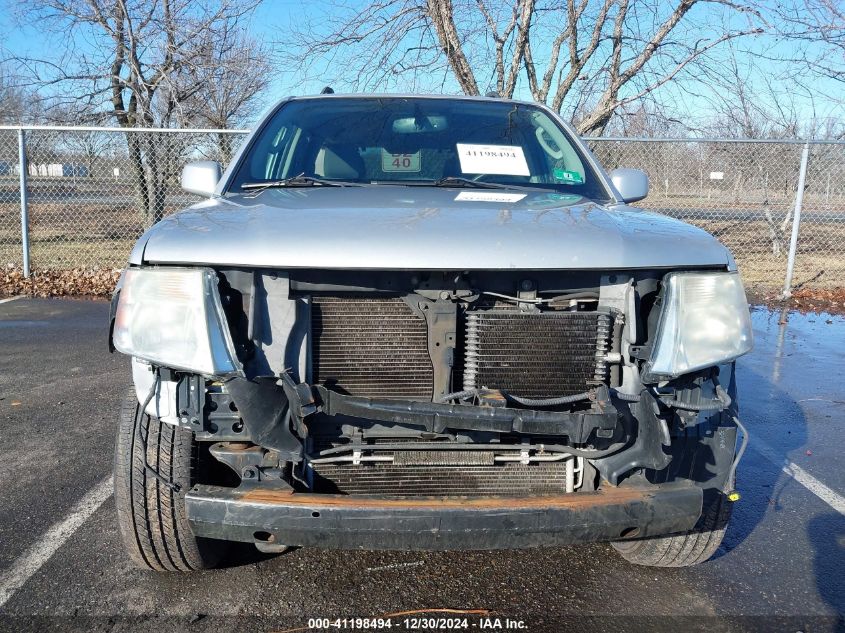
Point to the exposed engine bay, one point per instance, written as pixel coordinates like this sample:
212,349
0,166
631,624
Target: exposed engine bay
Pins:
416,384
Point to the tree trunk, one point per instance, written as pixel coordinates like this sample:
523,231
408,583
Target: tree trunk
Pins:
224,146
142,189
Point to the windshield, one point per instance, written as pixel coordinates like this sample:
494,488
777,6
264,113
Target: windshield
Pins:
417,141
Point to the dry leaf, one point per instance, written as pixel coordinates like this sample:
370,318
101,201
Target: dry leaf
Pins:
74,282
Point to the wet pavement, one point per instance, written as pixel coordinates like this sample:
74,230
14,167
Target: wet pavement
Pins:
782,566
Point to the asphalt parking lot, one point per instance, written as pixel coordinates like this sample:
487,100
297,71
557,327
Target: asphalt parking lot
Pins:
782,566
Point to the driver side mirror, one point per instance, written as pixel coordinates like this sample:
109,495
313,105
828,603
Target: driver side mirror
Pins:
201,177
632,184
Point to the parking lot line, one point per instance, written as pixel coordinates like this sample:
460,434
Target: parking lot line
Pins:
32,559
823,492
12,299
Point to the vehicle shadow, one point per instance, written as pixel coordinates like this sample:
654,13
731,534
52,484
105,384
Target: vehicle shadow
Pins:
827,535
243,554
776,424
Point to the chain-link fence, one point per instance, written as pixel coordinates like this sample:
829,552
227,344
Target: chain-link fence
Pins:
744,193
91,192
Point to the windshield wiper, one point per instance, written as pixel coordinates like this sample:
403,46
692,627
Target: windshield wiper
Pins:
297,181
456,181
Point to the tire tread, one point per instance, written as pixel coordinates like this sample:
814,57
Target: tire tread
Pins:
686,549
151,514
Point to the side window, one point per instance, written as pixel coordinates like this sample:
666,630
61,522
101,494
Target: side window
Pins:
273,154
285,156
271,158
562,162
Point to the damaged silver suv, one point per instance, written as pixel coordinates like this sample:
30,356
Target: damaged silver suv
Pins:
404,322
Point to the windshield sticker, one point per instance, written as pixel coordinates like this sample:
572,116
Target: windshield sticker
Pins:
488,196
554,200
505,160
399,162
571,177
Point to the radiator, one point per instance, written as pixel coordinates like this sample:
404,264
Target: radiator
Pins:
535,354
370,347
378,347
511,479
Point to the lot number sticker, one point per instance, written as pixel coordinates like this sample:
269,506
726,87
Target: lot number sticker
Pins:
399,162
507,160
488,196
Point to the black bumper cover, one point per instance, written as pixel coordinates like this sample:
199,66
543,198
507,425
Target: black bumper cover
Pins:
258,513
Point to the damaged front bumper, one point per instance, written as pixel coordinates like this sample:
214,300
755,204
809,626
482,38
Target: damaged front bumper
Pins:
253,513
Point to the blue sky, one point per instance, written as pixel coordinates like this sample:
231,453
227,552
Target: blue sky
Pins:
272,18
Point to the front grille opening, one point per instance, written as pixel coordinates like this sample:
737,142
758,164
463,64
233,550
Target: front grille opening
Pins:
378,347
506,480
375,347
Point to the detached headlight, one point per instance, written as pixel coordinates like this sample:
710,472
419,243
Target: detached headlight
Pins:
704,322
173,317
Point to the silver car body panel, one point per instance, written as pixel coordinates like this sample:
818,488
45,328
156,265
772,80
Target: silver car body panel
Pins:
425,228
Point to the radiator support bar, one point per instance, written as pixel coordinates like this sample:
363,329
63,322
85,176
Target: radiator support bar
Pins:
578,427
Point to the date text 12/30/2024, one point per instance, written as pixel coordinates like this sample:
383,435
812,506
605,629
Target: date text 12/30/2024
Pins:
418,624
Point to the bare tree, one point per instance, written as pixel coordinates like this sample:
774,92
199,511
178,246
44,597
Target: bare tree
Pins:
235,71
18,104
86,148
746,103
816,28
587,56
645,119
11,99
146,62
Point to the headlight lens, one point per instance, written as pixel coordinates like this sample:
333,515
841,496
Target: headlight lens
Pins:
173,317
704,322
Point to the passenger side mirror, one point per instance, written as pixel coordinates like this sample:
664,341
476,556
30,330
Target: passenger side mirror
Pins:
632,184
201,177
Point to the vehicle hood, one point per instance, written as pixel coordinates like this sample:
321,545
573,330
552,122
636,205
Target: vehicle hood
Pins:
423,228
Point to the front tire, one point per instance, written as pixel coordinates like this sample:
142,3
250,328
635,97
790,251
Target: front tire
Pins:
149,492
688,548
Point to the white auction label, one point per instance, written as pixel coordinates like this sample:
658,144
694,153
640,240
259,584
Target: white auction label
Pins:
489,196
506,160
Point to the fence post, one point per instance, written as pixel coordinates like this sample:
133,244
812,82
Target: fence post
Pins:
796,222
23,169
